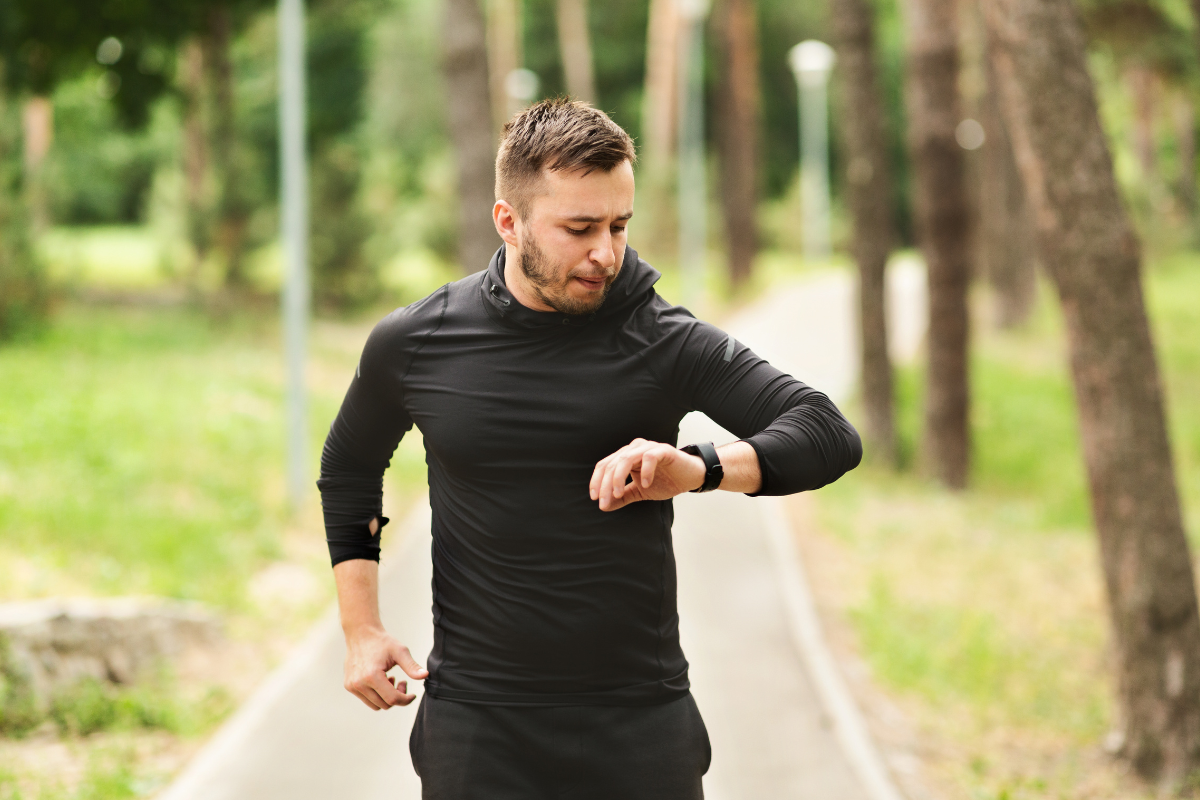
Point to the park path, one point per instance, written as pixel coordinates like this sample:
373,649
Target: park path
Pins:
781,723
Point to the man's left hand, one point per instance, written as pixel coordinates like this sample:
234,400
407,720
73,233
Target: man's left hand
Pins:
658,471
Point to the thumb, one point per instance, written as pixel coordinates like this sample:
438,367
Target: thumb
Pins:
406,662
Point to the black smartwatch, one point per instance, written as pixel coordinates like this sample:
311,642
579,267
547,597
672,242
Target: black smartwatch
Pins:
714,473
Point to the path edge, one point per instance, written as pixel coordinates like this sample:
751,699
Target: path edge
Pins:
849,727
188,784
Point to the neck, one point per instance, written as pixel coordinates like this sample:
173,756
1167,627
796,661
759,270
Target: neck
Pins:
518,284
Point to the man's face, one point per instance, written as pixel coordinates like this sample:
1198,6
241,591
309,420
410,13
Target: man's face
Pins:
571,244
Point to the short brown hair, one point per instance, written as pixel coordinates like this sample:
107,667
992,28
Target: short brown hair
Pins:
558,134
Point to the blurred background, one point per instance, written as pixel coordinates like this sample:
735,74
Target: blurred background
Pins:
142,381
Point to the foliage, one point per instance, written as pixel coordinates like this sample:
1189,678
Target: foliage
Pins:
97,171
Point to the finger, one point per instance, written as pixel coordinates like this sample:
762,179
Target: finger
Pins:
364,700
383,687
623,466
649,467
372,697
403,658
598,476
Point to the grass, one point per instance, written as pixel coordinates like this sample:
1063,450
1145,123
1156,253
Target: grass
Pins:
982,613
142,452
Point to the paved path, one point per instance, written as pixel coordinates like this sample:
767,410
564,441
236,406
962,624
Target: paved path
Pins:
770,695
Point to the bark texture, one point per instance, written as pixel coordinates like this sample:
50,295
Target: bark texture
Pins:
1006,235
869,190
465,64
657,229
1092,254
195,156
943,226
37,125
504,54
737,104
232,210
575,44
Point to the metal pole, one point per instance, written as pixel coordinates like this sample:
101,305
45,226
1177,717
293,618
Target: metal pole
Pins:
693,194
294,207
811,62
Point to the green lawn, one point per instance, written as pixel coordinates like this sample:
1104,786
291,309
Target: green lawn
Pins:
141,451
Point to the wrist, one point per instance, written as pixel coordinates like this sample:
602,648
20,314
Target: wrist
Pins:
714,472
361,630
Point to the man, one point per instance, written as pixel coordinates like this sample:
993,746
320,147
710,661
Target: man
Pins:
548,389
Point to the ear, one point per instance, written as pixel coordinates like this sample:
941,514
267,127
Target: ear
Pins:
505,218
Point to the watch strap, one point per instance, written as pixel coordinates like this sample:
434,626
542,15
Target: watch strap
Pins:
714,473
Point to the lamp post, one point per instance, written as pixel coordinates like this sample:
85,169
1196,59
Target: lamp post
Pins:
692,190
811,62
293,190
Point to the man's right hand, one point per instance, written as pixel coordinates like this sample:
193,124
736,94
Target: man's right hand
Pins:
369,655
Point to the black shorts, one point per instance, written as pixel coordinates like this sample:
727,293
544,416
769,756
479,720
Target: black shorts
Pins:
464,751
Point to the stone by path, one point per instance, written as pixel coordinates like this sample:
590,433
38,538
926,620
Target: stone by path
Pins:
768,691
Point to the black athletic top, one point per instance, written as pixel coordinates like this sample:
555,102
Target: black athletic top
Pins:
538,596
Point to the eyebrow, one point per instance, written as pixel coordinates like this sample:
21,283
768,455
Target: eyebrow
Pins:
584,218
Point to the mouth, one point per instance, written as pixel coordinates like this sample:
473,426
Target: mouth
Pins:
592,284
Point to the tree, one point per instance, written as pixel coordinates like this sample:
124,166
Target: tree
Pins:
1091,252
869,190
575,44
943,226
465,64
657,223
1006,232
737,102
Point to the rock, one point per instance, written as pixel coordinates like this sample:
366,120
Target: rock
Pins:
48,645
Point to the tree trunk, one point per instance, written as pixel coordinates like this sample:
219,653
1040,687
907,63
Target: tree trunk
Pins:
195,157
1091,252
470,116
1142,85
657,225
504,54
1007,247
575,45
737,104
869,190
943,224
232,213
37,123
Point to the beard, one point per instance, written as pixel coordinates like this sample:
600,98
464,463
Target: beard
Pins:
552,291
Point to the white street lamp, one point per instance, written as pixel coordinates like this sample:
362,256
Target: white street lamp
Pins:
293,191
811,62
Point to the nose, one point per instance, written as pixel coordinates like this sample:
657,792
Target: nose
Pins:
602,254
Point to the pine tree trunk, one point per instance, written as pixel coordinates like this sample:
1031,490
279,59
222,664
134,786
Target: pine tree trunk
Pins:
470,116
943,224
1007,247
869,189
232,214
195,157
37,123
1091,252
575,45
737,104
656,228
504,54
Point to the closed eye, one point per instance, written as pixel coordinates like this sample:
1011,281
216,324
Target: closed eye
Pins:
577,232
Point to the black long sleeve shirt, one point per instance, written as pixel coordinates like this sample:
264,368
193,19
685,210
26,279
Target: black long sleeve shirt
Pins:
538,596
